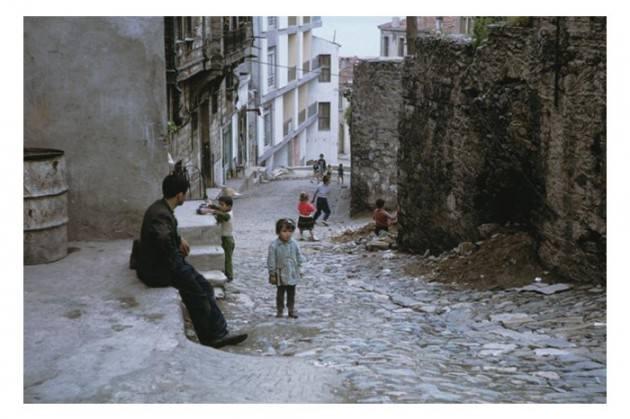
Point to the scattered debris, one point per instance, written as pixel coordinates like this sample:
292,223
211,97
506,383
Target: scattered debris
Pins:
487,230
354,235
542,288
466,248
550,375
510,319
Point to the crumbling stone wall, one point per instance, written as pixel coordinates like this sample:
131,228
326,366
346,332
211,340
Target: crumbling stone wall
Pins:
376,103
514,131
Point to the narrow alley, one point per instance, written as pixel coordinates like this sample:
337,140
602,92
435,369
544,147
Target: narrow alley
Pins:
398,338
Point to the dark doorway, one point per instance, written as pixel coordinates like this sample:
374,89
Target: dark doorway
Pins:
206,164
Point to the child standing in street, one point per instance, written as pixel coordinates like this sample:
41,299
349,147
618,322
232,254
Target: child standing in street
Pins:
321,194
306,221
225,219
284,261
340,173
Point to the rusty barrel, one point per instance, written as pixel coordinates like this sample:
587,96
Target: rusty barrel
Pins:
45,206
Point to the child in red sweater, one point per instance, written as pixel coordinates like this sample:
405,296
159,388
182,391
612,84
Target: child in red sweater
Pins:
306,221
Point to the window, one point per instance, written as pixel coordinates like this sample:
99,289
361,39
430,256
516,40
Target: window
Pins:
386,46
324,116
173,104
268,120
215,102
401,47
271,22
271,67
324,64
188,29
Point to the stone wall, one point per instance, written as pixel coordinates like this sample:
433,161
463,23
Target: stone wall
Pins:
95,87
376,104
514,131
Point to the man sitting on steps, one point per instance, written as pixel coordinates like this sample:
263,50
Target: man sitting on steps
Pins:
160,262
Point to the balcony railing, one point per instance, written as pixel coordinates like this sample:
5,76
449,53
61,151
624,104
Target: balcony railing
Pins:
292,20
306,20
302,117
315,62
292,73
312,109
306,67
235,40
288,126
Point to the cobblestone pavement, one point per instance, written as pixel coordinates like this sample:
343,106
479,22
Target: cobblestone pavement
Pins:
396,338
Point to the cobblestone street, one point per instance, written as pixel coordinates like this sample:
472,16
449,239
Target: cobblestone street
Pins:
398,338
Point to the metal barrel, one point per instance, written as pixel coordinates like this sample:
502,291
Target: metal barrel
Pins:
45,206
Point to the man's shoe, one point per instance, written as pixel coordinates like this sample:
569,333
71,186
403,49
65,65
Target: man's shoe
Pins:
279,314
324,222
293,315
228,340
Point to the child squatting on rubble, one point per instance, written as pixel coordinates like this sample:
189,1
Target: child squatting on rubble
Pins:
284,261
382,218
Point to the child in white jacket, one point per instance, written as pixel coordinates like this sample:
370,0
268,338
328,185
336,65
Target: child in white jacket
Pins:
284,261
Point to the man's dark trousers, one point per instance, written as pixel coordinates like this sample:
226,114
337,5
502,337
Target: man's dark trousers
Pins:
198,296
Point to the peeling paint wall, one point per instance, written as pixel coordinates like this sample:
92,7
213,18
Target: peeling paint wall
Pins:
95,87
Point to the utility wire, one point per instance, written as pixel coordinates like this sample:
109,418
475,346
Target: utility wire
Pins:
296,67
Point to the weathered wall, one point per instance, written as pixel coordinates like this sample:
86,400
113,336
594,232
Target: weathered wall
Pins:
512,132
376,104
95,88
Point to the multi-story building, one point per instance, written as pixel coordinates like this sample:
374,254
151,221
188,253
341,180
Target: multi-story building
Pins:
206,96
394,33
293,85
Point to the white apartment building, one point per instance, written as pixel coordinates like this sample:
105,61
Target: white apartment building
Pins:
294,86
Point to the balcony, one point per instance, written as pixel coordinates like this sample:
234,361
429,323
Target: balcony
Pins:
235,41
292,73
306,67
306,20
287,127
302,117
292,20
312,109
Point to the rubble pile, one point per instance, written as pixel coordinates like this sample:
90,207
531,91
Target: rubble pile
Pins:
505,259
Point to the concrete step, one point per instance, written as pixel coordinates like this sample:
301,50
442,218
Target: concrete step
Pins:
206,258
215,278
201,230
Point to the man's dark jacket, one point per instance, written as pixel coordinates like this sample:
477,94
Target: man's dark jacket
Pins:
159,244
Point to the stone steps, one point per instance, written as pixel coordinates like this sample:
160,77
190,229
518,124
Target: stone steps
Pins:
204,236
206,258
198,230
217,280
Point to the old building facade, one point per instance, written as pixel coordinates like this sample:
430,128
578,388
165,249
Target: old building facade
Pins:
207,97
